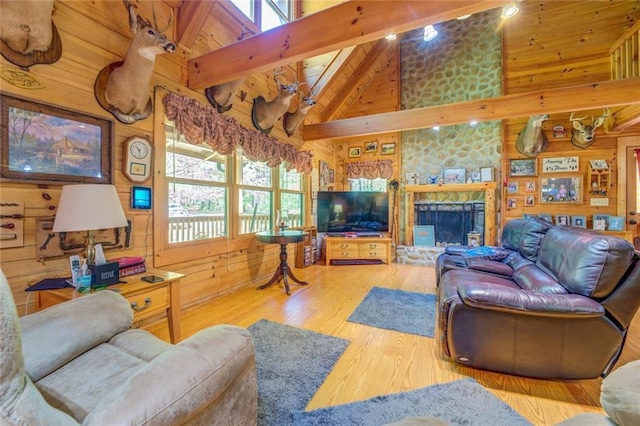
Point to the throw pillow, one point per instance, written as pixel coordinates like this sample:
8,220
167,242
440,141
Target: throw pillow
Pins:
487,252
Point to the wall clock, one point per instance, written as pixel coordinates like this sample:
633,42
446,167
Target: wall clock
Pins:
137,159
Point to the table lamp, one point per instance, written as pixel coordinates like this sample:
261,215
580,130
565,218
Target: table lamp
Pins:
89,208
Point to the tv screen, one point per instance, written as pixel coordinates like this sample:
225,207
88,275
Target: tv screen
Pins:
353,211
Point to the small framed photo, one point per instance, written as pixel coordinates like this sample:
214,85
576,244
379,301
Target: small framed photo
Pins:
599,224
563,220
332,176
388,148
546,216
530,186
522,167
475,177
355,151
601,218
371,147
512,188
579,221
486,174
455,175
616,223
529,200
512,203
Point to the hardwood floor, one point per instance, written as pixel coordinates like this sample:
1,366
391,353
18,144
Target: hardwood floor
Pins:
379,361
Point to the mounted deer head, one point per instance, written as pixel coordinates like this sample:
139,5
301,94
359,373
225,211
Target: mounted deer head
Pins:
583,135
292,120
265,114
532,140
221,96
27,33
126,92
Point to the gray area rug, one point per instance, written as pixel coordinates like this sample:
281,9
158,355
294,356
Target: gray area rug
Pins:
398,310
463,402
292,363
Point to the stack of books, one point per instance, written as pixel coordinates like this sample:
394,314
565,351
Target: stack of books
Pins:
131,265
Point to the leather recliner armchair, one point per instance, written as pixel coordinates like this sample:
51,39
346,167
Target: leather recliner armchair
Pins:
564,317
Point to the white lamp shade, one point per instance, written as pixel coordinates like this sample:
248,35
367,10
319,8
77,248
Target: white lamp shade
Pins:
88,208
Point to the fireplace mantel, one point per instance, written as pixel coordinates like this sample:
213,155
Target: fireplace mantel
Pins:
489,189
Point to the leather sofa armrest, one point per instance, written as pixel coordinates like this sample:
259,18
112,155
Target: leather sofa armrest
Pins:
522,302
183,380
491,266
55,336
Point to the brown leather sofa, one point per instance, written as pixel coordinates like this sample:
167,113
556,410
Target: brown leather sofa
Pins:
563,315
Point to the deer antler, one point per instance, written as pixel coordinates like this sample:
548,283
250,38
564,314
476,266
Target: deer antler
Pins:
576,119
155,20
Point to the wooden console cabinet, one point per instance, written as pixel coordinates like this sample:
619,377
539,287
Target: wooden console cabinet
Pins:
365,248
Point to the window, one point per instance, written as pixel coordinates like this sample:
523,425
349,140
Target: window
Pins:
266,14
363,184
256,191
291,197
197,192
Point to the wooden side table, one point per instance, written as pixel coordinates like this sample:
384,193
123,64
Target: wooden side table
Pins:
146,299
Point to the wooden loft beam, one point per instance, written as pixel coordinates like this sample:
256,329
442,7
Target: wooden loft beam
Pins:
192,15
626,117
328,75
552,101
355,80
349,23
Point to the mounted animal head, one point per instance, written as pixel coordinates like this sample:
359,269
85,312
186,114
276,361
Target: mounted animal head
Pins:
292,120
221,95
126,92
532,140
28,36
583,135
265,114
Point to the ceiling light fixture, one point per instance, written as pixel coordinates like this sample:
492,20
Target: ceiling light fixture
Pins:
509,10
463,17
473,123
430,33
391,37
436,128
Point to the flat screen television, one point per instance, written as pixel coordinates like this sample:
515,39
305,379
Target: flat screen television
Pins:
353,211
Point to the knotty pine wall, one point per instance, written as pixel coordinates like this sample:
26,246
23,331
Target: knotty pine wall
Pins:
93,35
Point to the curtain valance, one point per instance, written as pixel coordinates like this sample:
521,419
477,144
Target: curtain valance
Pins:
370,169
203,124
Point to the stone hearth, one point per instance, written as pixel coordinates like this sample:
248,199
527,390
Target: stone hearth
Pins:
418,255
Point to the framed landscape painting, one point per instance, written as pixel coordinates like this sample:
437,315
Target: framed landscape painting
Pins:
47,144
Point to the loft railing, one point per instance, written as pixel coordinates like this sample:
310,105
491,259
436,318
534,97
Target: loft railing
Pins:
190,228
625,54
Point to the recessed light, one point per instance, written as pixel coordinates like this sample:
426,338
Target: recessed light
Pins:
436,128
473,122
463,17
430,33
509,10
391,37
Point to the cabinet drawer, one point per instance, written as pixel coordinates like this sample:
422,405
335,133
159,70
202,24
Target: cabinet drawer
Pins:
344,254
149,303
373,254
374,246
342,246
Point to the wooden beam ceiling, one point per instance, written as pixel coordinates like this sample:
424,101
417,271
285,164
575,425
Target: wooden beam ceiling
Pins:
626,117
359,22
552,101
191,18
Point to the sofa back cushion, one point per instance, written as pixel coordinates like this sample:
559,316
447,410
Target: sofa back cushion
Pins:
511,234
583,261
533,231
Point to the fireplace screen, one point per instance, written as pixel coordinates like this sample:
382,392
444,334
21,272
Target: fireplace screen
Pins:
452,221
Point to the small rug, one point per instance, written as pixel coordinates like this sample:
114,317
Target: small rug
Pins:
292,363
398,310
463,402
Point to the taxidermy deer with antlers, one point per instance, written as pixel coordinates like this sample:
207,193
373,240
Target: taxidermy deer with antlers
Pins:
221,95
127,86
532,140
265,114
583,135
27,33
292,120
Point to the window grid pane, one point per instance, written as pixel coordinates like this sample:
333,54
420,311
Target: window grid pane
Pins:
376,185
196,212
255,210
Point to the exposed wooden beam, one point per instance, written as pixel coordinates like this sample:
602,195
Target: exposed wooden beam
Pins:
358,22
355,80
626,117
192,15
552,101
327,76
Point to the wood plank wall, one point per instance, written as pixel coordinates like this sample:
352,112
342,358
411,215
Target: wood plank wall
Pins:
93,35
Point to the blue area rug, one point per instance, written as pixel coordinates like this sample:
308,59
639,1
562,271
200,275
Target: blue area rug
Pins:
398,310
463,402
292,363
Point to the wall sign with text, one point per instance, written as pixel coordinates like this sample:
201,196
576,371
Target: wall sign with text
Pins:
560,164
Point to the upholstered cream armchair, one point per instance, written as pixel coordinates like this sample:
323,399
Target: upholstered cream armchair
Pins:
79,362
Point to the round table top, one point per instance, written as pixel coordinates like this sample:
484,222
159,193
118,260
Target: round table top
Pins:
277,236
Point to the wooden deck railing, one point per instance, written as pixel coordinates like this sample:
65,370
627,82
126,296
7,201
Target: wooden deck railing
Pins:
625,54
189,228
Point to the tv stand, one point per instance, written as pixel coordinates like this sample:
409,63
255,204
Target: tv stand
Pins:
357,248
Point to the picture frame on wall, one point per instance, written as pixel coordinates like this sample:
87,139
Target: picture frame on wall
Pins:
529,201
355,151
371,147
512,203
512,188
455,175
579,221
566,189
486,174
522,167
601,219
563,220
323,171
388,148
616,223
41,143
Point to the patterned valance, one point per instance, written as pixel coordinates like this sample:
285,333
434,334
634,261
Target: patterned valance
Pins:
203,124
371,169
